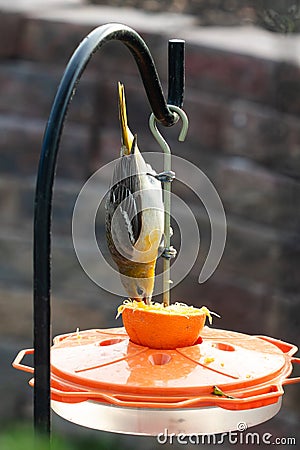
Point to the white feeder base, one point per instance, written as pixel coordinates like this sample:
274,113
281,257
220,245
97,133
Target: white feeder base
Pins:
152,422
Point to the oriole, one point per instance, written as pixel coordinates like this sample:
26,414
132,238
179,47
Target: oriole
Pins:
134,214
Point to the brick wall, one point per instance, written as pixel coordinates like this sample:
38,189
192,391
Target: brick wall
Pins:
243,103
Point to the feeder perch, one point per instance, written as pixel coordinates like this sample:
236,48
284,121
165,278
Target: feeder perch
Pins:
100,378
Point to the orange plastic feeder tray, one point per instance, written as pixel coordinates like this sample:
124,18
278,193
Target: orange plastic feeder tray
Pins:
102,380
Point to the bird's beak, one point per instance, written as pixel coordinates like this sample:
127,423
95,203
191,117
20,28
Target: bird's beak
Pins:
146,300
127,138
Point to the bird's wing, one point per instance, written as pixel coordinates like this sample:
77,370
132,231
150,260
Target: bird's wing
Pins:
123,206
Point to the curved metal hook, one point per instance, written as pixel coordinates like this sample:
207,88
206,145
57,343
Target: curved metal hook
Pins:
158,136
167,191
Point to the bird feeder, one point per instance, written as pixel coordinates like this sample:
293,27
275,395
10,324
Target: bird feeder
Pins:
101,378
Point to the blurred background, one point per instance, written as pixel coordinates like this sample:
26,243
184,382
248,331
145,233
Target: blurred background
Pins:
243,101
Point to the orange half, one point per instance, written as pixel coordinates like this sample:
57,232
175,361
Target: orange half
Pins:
159,327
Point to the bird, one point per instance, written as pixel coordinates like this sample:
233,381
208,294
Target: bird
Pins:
134,214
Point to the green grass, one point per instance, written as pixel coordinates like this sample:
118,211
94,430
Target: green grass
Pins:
21,437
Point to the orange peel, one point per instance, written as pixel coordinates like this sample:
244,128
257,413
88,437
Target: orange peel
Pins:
155,326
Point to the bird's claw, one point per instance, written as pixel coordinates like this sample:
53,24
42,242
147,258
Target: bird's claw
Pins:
165,177
169,253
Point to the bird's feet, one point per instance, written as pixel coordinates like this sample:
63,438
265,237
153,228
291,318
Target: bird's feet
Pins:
166,176
169,252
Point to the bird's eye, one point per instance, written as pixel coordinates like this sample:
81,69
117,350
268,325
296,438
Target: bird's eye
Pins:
140,291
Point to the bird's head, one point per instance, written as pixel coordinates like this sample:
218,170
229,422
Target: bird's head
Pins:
139,288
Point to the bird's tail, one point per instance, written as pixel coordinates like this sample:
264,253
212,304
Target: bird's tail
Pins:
127,136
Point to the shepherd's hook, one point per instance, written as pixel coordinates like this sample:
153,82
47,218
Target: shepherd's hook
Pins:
46,174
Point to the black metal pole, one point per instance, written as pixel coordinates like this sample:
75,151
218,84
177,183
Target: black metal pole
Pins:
176,72
44,188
